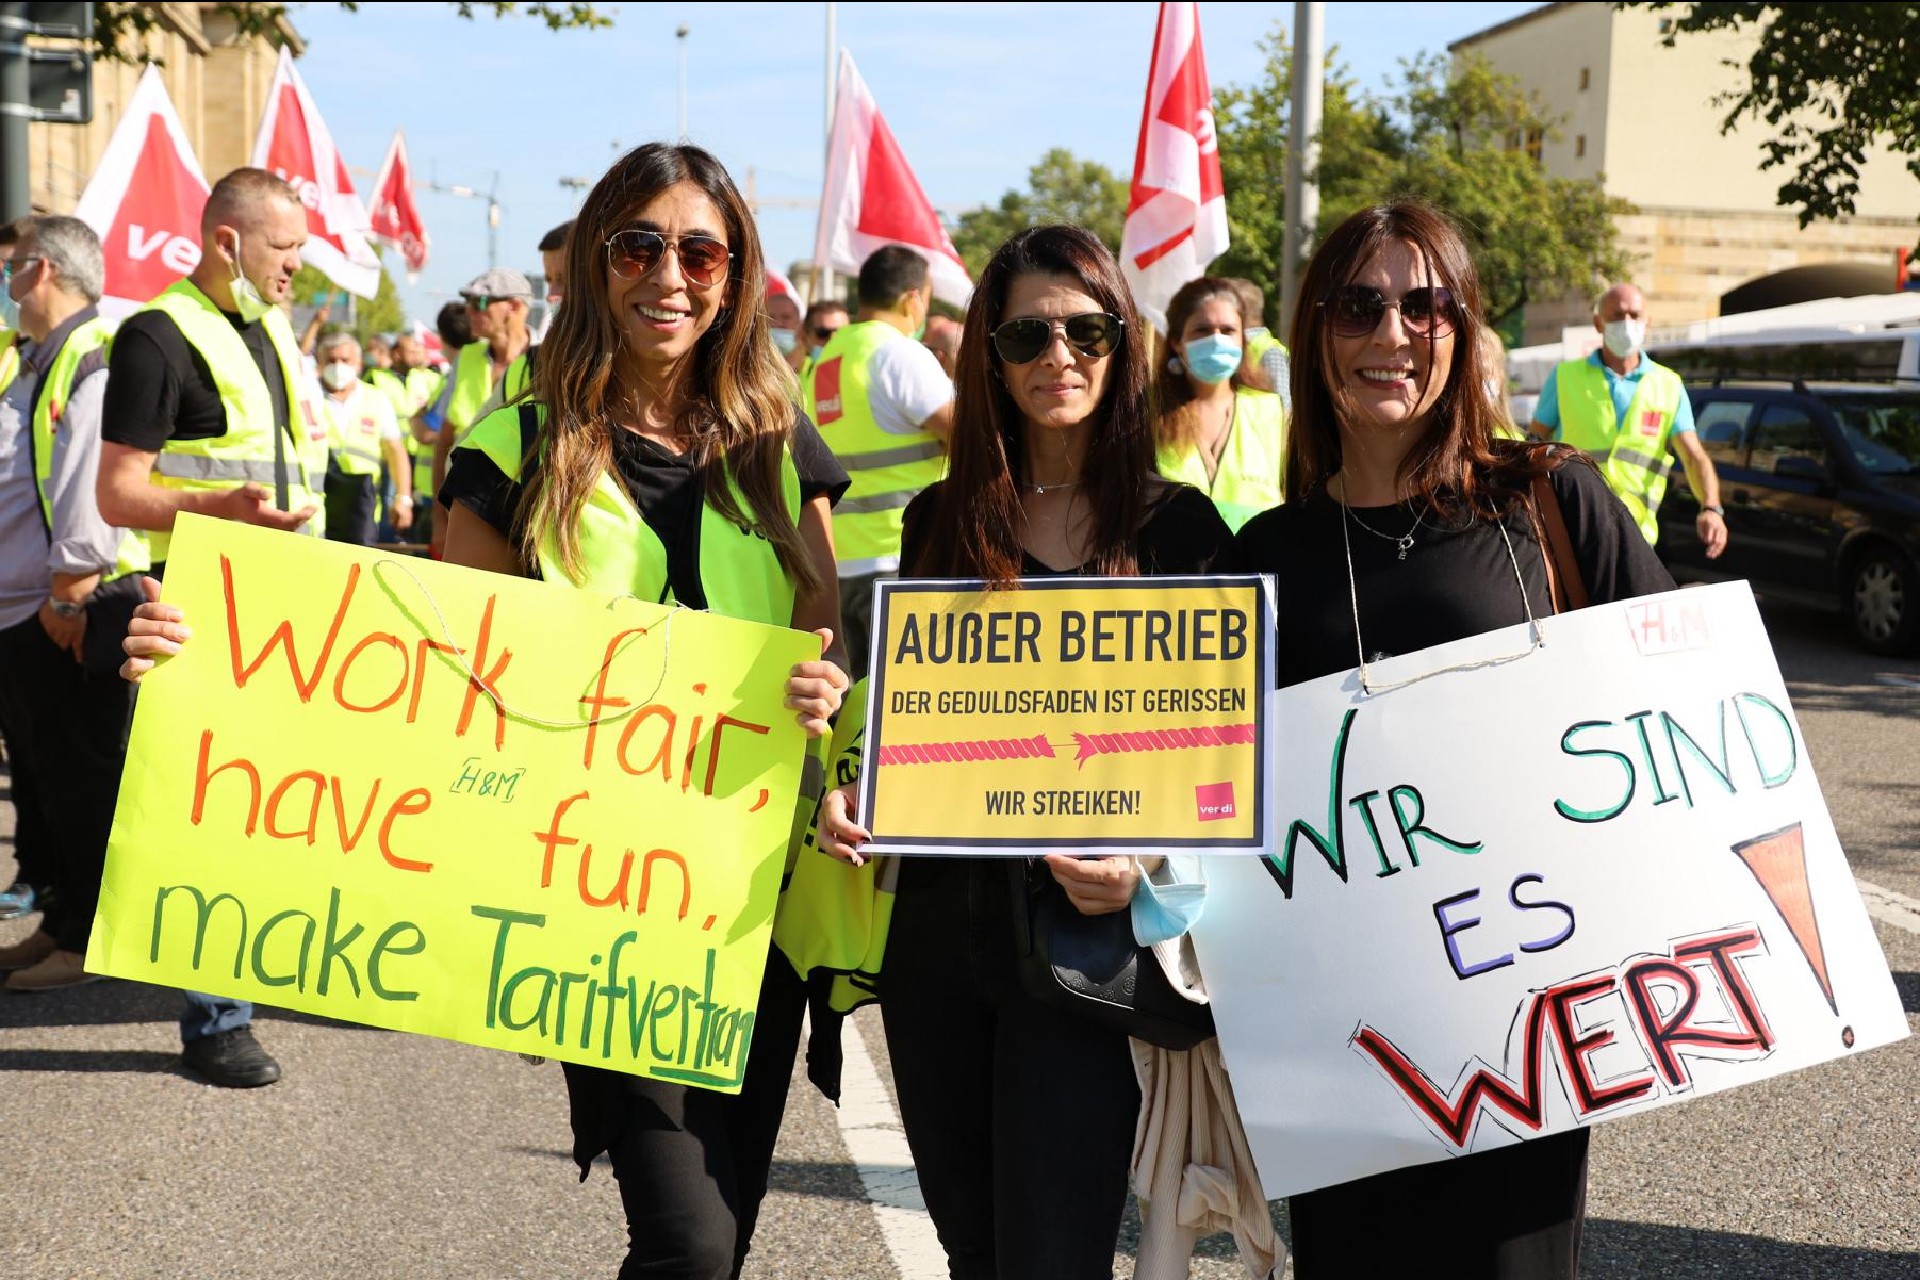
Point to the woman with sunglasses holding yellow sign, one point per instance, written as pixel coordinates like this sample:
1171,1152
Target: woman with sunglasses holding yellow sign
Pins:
665,421
1408,524
1217,430
1021,1115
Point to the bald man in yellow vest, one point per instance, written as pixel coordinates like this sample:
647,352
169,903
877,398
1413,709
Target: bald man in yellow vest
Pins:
1626,411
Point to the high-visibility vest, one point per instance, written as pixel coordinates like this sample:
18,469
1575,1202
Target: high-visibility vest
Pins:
1248,479
9,358
1631,452
355,428
621,555
473,383
887,469
49,408
1258,344
245,453
423,388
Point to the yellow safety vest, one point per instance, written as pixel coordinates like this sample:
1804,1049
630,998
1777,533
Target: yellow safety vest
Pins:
9,358
355,427
473,383
245,453
1258,344
423,388
49,407
1631,451
834,917
621,555
887,469
1248,479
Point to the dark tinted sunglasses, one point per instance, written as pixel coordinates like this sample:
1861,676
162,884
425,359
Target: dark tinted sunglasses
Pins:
825,331
1094,335
1355,310
481,301
633,253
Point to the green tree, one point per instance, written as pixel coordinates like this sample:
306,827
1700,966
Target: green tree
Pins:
1829,80
118,28
1453,134
381,313
1060,188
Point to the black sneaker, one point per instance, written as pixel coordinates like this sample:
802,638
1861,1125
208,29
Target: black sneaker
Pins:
231,1059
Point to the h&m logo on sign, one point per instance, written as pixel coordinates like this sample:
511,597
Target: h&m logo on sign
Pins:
826,392
1214,801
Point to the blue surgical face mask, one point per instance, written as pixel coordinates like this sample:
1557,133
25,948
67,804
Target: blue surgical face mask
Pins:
786,340
813,353
1213,358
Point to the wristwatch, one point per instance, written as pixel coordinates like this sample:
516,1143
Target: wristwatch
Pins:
66,608
1716,508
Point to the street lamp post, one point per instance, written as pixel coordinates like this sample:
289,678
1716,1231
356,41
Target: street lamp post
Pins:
494,210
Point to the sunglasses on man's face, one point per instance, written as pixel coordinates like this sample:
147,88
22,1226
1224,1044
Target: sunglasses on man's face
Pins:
1094,335
481,301
1355,310
633,253
825,331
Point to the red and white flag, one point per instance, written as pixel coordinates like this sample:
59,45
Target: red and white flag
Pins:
144,201
1177,211
872,198
293,142
395,218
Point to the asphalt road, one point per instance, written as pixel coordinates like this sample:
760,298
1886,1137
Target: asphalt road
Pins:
388,1155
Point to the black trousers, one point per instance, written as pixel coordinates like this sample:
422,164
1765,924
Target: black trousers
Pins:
1511,1214
350,502
69,728
1020,1115
692,1164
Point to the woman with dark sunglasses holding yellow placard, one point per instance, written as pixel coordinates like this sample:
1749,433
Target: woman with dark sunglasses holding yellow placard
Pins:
1408,524
665,424
1020,1114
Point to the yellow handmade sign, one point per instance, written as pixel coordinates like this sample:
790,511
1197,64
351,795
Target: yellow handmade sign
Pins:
1116,714
491,809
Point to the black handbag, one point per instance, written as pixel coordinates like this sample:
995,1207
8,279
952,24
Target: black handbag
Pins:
1092,967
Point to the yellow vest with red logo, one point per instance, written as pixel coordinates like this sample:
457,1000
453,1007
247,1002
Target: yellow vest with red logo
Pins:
887,469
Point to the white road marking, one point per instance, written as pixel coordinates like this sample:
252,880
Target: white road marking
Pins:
1888,907
878,1145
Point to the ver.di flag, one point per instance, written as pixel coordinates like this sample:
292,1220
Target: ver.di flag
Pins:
872,198
145,200
395,218
294,143
1177,211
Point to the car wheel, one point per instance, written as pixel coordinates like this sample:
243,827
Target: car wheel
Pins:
1883,602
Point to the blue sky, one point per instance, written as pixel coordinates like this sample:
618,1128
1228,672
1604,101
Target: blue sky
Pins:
974,92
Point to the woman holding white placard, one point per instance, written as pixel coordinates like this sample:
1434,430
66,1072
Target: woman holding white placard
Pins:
1407,524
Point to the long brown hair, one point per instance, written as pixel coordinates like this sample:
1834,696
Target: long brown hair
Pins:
977,512
1458,463
737,407
1176,425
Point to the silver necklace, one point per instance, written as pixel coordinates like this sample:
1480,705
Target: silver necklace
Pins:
1404,542
1050,488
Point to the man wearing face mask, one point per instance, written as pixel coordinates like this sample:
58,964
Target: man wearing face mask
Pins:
1625,411
493,368
783,321
172,444
362,433
825,317
885,407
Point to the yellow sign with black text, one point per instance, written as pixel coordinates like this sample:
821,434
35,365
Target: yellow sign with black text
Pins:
1119,715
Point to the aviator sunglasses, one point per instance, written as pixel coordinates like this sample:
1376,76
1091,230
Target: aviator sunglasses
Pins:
1094,335
633,253
1355,310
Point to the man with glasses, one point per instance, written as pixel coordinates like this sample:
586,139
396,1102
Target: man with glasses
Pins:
1626,411
885,407
824,318
490,370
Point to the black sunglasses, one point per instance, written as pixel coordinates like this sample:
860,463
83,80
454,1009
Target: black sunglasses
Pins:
1355,310
633,253
823,332
1094,335
481,301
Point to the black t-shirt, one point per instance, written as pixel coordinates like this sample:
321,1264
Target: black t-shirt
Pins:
162,389
666,487
1454,582
1182,533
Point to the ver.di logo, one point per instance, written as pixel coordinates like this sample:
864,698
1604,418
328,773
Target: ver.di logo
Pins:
1214,800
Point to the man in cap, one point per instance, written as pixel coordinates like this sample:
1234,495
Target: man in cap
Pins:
493,368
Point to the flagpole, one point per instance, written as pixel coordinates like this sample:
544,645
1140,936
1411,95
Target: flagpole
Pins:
1302,211
822,273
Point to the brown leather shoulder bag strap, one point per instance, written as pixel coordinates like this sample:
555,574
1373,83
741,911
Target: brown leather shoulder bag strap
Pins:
1563,570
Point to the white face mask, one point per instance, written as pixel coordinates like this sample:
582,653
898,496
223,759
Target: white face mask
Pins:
337,376
1625,337
246,295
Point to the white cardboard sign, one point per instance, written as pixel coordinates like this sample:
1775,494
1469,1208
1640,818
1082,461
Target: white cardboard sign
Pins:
1527,893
